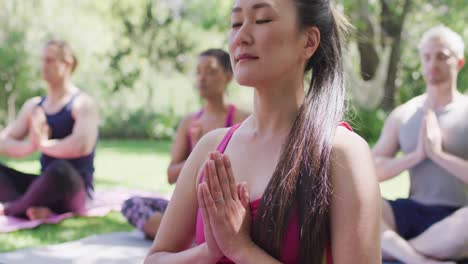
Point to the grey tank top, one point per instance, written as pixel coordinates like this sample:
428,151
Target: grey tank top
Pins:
429,183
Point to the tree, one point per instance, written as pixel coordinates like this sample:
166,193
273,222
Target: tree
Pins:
389,23
15,72
153,34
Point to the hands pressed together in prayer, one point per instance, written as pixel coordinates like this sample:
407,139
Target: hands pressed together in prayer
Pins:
39,131
430,137
226,209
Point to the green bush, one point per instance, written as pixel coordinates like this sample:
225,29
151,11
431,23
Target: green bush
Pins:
139,124
367,123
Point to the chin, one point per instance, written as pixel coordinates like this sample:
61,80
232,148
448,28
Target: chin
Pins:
249,78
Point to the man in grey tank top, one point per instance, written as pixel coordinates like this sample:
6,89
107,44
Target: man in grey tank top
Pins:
431,226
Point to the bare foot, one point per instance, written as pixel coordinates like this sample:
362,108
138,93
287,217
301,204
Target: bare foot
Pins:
37,213
152,225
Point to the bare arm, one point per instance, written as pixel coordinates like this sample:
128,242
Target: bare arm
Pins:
177,230
434,149
83,138
453,164
12,138
180,150
355,208
386,164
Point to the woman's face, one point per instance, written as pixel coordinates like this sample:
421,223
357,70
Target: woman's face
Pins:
212,79
265,42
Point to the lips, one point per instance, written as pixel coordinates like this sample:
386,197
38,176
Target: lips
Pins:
245,57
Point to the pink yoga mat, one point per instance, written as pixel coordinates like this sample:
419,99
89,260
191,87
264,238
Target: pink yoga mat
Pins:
102,204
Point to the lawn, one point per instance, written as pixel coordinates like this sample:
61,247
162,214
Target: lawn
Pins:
131,164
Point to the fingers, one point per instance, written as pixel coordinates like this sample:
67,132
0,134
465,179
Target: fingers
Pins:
202,205
208,201
230,175
215,187
205,174
222,175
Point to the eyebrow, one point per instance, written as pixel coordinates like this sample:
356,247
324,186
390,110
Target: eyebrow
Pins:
256,6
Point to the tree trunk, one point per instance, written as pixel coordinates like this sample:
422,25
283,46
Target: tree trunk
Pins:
392,25
11,108
366,42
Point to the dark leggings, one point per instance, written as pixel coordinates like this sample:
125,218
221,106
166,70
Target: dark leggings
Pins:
60,188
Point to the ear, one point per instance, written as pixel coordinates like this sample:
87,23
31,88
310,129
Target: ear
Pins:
312,41
460,63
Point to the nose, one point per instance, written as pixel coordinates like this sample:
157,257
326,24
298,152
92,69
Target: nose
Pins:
201,77
243,36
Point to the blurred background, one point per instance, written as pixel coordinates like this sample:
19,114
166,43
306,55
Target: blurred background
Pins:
137,56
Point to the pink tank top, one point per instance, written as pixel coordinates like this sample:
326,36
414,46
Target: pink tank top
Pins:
229,121
290,252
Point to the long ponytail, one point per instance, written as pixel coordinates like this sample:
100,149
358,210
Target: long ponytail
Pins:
301,180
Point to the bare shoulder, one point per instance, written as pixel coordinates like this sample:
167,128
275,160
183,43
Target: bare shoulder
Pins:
31,103
208,143
84,100
404,110
353,174
187,120
28,108
210,140
347,142
351,155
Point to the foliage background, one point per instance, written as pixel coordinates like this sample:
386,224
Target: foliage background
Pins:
136,57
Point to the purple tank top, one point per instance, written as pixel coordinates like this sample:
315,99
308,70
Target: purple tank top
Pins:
61,125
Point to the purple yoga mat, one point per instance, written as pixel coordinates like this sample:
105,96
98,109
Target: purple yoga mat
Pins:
103,202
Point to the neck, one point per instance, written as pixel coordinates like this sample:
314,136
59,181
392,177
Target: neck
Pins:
57,91
215,104
276,106
441,95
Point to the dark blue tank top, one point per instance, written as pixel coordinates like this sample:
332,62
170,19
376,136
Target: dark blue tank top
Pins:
61,125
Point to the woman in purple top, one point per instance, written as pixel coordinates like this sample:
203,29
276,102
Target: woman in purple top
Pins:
63,127
213,76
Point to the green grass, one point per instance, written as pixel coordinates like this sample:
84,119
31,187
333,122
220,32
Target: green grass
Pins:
125,163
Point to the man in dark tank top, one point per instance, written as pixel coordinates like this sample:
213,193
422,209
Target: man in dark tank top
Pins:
63,127
430,130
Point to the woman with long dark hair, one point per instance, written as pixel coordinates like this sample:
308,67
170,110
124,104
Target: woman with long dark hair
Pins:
315,197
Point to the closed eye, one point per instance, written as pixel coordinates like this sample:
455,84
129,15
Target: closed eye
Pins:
236,25
263,21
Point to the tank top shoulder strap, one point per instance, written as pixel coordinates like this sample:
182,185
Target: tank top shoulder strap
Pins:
198,115
222,146
69,105
41,101
230,115
345,125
